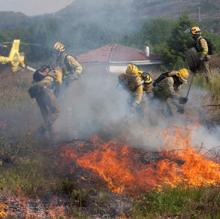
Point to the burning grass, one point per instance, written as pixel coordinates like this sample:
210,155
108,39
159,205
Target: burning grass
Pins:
182,183
133,171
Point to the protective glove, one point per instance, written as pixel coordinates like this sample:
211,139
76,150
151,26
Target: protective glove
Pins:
183,100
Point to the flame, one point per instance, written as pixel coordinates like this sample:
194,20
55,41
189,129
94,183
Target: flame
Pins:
3,210
122,168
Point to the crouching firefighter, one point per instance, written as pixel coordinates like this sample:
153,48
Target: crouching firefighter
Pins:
137,83
166,90
71,68
45,88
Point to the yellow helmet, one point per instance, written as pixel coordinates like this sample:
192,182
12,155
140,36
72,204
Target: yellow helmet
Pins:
183,74
195,30
147,77
132,69
59,47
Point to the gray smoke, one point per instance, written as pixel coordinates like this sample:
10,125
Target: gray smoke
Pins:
97,105
203,136
93,103
89,24
208,139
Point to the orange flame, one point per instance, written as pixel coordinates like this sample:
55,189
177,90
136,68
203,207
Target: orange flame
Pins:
123,170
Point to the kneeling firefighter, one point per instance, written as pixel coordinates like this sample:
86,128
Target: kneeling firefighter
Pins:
166,90
137,83
46,83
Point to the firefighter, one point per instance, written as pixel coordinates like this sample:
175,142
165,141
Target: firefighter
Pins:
166,89
137,83
45,87
71,68
202,48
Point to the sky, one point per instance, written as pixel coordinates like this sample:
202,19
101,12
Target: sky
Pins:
33,7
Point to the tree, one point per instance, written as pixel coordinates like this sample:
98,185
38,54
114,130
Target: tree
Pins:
154,33
179,42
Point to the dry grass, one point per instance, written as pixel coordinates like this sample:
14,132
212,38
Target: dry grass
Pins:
211,103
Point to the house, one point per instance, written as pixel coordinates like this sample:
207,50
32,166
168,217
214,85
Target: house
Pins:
114,58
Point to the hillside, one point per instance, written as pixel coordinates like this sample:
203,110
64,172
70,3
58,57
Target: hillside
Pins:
147,8
173,8
120,15
205,12
109,21
9,20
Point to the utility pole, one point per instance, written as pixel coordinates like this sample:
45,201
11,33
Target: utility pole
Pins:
199,14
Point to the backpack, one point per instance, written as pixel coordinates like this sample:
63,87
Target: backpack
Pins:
160,78
41,73
210,46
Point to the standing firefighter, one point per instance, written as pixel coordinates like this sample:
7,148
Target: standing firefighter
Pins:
46,84
203,50
71,68
166,90
138,83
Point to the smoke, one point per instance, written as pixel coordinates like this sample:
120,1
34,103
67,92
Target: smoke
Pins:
203,136
206,138
89,105
19,115
88,24
97,105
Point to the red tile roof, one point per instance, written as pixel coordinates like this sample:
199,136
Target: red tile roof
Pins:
114,53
